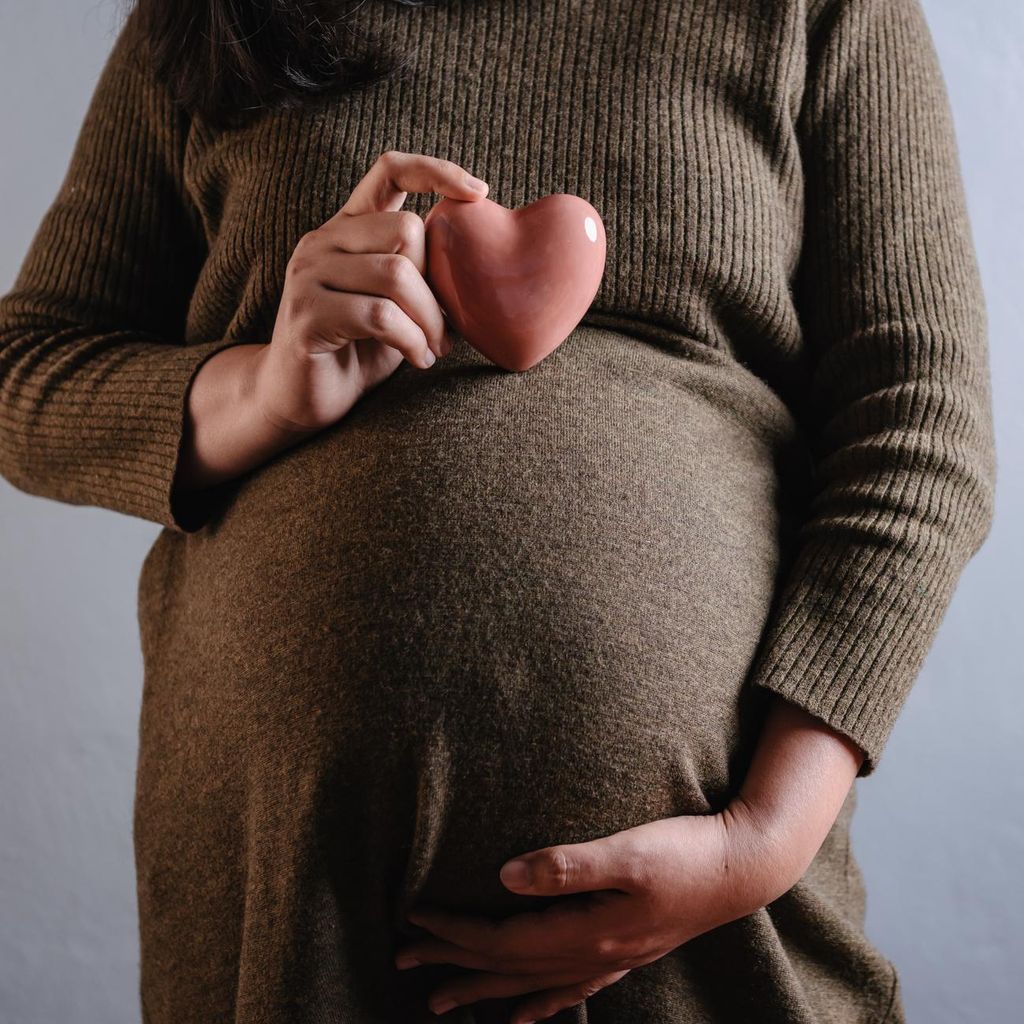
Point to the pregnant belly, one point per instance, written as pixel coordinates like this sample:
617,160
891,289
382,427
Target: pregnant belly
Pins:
485,613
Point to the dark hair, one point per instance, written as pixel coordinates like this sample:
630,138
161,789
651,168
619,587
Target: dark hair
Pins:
229,59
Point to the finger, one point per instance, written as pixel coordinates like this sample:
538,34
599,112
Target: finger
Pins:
569,931
399,231
437,951
332,319
470,988
389,275
394,174
610,862
376,362
547,1004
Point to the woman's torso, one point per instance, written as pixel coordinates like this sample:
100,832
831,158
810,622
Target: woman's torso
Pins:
488,612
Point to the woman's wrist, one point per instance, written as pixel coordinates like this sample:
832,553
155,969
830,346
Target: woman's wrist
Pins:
798,780
227,432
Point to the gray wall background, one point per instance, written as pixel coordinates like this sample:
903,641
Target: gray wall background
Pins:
939,831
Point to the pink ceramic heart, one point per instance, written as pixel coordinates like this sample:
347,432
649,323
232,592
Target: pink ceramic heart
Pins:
515,283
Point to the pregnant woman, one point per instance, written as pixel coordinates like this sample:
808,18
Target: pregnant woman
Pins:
635,619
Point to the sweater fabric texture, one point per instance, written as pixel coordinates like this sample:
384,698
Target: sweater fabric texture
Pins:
487,612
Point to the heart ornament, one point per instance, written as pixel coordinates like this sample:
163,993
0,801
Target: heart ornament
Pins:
515,283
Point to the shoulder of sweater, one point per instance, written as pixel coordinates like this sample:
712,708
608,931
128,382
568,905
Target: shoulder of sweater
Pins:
130,45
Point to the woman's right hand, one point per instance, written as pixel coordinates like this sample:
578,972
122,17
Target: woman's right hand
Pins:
355,301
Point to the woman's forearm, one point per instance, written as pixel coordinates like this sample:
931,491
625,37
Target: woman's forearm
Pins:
225,433
800,774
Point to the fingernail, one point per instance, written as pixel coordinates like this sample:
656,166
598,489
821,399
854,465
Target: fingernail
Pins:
404,960
442,1005
429,358
472,182
516,873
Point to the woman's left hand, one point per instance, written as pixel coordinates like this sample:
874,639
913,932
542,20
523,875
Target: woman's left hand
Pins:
636,895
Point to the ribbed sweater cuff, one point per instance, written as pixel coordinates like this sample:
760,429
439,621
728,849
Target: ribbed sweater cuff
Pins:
184,513
111,431
850,634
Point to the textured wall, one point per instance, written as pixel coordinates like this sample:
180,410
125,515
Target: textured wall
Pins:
939,831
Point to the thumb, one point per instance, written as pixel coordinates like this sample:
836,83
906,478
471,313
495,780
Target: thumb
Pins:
605,863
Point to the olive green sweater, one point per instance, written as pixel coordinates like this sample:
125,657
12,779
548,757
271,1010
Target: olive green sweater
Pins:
785,218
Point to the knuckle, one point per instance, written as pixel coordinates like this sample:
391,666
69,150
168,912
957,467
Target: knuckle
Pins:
380,313
607,947
394,269
308,240
558,867
298,265
302,257
408,228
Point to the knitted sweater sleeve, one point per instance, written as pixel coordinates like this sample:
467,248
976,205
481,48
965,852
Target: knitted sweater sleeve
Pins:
898,404
93,369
